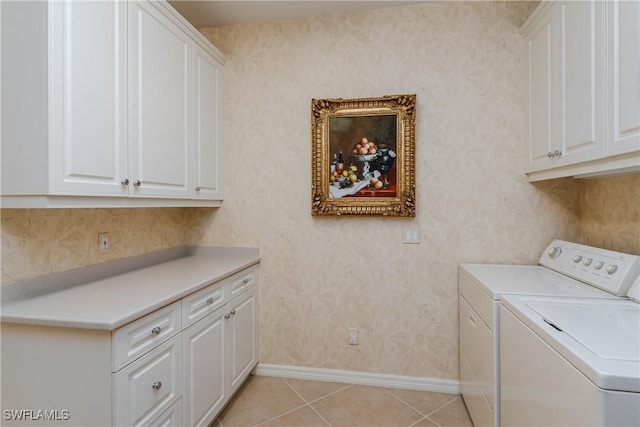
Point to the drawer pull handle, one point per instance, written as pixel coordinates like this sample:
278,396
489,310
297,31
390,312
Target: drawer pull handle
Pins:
156,330
156,385
245,281
210,300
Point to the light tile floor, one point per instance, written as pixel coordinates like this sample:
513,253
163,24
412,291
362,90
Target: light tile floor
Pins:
279,402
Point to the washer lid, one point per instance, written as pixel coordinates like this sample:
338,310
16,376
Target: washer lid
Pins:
610,334
599,337
497,280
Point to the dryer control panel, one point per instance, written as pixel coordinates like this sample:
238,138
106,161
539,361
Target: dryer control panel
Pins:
608,270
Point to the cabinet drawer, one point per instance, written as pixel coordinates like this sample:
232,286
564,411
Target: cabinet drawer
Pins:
170,417
148,386
133,340
242,281
203,302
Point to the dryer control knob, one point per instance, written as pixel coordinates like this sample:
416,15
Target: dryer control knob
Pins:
587,261
612,268
554,252
598,265
577,258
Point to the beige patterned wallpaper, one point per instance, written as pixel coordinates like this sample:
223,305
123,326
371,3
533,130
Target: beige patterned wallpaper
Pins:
320,276
611,213
38,241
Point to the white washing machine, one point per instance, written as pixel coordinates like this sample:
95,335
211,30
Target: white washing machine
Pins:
570,361
565,270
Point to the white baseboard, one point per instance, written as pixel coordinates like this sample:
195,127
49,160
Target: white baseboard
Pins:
360,378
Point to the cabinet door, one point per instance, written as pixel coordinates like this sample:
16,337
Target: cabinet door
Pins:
204,386
88,98
539,52
581,107
148,386
242,340
623,62
207,79
159,53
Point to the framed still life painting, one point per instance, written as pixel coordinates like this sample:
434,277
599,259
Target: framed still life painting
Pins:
363,156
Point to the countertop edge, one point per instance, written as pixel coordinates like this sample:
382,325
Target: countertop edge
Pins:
238,258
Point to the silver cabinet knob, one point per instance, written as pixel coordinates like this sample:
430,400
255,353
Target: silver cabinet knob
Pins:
197,188
233,311
245,281
137,183
228,315
156,330
210,300
124,182
612,268
550,155
557,153
156,385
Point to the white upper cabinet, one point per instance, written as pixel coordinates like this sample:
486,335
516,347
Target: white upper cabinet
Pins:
101,106
623,69
207,80
539,52
578,119
88,97
564,86
159,101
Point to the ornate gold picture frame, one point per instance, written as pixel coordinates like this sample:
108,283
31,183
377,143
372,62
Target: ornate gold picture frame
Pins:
363,156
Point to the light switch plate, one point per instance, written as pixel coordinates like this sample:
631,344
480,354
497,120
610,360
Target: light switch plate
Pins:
411,236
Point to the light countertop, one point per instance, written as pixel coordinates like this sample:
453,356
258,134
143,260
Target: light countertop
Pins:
111,302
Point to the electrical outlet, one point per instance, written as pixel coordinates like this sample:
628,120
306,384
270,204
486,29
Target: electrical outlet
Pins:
103,241
353,336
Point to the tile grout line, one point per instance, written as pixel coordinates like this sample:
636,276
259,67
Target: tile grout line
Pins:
443,406
318,399
307,403
425,416
286,412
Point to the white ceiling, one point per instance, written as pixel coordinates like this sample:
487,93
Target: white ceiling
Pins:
213,13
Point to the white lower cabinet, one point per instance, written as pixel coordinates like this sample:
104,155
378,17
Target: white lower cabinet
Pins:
178,365
171,417
220,351
204,391
148,386
242,338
